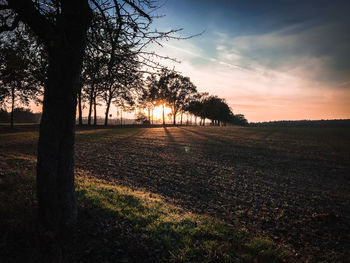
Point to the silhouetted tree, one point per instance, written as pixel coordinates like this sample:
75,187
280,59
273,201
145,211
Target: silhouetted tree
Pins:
157,95
62,26
94,70
176,90
19,80
146,99
239,119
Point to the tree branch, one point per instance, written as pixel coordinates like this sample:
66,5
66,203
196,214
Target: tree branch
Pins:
28,14
138,9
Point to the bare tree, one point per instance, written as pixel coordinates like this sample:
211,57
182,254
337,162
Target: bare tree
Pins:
62,26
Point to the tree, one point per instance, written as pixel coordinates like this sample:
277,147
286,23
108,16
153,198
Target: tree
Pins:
177,90
156,95
18,68
62,26
92,79
146,100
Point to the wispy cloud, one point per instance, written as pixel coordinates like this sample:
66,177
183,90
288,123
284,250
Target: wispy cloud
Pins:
291,89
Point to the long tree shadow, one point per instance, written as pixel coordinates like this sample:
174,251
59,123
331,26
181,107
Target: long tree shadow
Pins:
169,135
114,225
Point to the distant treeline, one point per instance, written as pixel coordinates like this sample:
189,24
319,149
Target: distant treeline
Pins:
304,123
20,115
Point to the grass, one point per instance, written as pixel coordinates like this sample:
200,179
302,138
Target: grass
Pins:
120,223
235,195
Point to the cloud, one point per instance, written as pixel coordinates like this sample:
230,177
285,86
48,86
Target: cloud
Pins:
315,52
262,92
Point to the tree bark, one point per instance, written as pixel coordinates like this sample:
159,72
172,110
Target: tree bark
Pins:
55,166
163,116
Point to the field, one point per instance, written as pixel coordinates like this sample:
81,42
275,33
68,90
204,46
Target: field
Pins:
215,194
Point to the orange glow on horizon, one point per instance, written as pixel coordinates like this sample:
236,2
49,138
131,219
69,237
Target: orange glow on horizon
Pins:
158,113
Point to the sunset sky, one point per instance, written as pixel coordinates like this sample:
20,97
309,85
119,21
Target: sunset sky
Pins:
271,60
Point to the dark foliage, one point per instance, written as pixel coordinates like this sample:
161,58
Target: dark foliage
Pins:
304,123
20,115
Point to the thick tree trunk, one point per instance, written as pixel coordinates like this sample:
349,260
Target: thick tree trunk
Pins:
12,105
55,166
80,111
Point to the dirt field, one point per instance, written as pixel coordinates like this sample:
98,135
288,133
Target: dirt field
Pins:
290,184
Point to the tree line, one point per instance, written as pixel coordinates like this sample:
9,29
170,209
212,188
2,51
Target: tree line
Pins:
115,70
341,123
65,53
21,115
105,80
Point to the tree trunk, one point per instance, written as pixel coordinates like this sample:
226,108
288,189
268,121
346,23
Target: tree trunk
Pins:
90,104
12,105
152,116
55,166
149,116
163,116
203,121
181,118
107,109
95,111
121,116
79,106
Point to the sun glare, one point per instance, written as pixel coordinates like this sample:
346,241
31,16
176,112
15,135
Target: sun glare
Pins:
158,113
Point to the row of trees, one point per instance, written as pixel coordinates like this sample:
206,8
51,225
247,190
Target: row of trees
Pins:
22,70
22,67
109,35
21,115
171,89
63,53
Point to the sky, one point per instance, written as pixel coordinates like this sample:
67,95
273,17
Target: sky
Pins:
270,60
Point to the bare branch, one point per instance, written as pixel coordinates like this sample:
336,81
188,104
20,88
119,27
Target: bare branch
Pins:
138,9
28,14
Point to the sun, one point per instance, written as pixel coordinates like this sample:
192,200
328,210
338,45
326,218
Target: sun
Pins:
158,112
